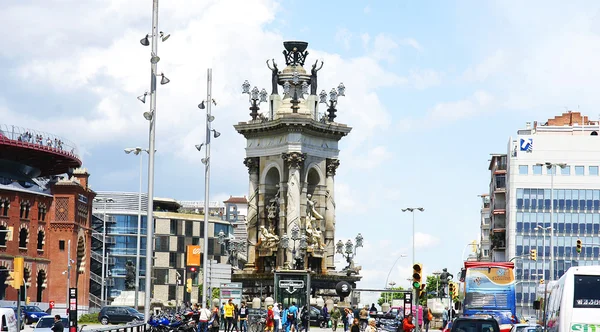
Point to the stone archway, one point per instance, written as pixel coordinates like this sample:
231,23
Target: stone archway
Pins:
40,284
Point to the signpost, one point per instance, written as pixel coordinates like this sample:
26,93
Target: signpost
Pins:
291,286
51,304
231,290
72,309
407,304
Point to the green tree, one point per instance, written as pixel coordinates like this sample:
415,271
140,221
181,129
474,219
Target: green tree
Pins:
216,292
390,296
431,290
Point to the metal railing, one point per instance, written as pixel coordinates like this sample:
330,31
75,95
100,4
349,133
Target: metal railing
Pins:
31,137
109,260
131,327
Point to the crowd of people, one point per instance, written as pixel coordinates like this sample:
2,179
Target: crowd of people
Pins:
39,139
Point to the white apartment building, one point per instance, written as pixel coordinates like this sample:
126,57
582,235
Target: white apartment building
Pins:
484,239
518,222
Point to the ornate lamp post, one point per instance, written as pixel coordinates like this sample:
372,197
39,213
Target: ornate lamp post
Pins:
232,246
255,97
333,99
348,250
295,83
302,240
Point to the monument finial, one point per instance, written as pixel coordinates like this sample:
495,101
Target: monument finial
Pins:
295,52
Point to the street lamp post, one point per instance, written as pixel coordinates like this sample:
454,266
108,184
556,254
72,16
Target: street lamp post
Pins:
544,229
207,104
232,246
137,151
348,250
104,200
333,100
437,282
391,268
552,169
412,210
302,240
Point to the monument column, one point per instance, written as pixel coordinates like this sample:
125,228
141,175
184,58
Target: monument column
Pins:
294,162
331,165
252,219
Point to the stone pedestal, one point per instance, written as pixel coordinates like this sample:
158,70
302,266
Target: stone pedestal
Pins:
127,298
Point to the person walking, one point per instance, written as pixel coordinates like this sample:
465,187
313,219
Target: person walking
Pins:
58,325
236,317
371,327
292,316
427,318
215,321
407,324
276,316
444,318
335,317
204,315
363,317
228,310
243,314
355,325
349,318
270,322
304,318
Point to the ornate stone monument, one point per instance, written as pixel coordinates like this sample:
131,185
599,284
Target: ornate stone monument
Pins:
292,157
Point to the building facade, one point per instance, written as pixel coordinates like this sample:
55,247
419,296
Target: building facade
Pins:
485,226
174,232
538,196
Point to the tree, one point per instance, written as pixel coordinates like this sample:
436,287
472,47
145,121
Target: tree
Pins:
390,296
216,292
431,289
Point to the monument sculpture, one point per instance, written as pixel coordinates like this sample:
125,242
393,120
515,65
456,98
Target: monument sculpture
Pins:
292,159
129,276
445,277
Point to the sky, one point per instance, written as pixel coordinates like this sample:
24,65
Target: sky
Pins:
432,88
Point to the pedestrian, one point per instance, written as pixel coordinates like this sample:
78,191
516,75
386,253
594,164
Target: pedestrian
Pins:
276,316
355,325
228,310
58,325
216,319
204,315
335,317
427,318
363,317
236,317
349,318
407,324
444,318
371,326
243,314
291,318
305,317
270,322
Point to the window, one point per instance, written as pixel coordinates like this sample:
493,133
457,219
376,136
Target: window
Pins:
3,235
565,170
41,212
162,243
24,212
174,223
579,170
5,205
23,238
173,259
585,291
41,240
594,170
61,245
189,228
523,169
537,169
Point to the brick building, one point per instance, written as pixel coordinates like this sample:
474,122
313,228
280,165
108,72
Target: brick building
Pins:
45,203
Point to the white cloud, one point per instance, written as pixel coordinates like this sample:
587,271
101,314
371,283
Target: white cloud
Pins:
412,43
424,240
374,157
479,102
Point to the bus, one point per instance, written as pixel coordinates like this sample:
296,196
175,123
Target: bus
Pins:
574,301
490,290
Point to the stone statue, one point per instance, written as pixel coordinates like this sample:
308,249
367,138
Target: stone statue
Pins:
267,238
311,209
274,77
129,276
314,235
445,276
313,77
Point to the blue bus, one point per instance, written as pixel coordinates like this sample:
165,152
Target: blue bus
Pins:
490,290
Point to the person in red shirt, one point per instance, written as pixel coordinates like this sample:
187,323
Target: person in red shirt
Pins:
407,324
270,323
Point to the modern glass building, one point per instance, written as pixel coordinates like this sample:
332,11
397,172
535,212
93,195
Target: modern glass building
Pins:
551,177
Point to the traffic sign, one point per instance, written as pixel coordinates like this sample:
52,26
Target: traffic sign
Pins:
51,303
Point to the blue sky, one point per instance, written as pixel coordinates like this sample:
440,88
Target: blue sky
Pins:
432,89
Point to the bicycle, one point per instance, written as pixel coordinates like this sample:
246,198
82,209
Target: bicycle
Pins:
257,323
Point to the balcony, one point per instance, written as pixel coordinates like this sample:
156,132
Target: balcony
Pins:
500,183
498,240
97,257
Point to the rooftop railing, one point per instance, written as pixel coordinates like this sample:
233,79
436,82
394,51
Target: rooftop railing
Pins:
31,137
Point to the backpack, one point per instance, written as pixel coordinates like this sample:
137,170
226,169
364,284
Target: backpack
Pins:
429,315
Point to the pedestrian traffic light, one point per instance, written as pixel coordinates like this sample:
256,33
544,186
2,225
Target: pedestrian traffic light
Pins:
579,245
451,289
188,285
417,271
533,254
16,276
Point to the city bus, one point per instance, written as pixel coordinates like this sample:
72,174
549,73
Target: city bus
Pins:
574,301
490,290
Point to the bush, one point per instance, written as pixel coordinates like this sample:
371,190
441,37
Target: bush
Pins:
88,318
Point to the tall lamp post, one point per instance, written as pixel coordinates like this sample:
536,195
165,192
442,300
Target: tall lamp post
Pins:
552,169
150,115
206,104
348,250
302,240
544,230
392,268
137,151
232,246
412,210
104,200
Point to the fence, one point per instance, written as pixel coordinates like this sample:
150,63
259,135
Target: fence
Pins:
132,327
31,137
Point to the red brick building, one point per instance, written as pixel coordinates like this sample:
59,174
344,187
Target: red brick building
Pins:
45,208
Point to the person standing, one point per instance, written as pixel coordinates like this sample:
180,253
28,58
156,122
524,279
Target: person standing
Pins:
291,317
236,317
335,317
407,324
243,314
305,318
371,327
355,326
270,319
216,319
276,316
363,317
58,325
349,318
228,310
204,316
444,318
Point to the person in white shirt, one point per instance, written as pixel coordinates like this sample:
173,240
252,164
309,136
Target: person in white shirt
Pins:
276,316
205,316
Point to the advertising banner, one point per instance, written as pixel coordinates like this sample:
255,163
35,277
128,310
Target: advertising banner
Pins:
193,255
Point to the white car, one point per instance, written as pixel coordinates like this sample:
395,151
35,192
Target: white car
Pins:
526,328
45,324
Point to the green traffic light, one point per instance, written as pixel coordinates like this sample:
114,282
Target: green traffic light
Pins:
416,284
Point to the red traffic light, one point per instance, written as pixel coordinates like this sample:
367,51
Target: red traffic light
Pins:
192,269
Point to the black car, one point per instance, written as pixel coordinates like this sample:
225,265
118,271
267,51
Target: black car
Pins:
475,324
119,314
317,318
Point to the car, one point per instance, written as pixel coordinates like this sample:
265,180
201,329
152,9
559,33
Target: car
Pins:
317,318
483,323
45,323
32,313
526,328
119,314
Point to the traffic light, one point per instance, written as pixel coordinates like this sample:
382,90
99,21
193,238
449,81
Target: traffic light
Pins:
188,285
417,271
27,300
455,294
16,276
579,245
452,289
533,254
193,269
541,281
421,290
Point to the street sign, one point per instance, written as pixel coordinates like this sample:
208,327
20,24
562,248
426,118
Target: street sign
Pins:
407,304
291,286
72,309
51,303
